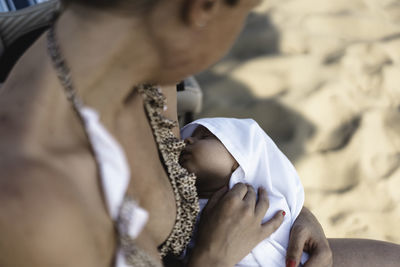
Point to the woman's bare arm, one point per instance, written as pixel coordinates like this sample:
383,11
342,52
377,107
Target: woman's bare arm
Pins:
307,235
364,253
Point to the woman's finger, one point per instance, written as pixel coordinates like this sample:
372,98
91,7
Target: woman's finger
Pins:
270,226
296,246
215,198
250,196
239,190
262,203
320,258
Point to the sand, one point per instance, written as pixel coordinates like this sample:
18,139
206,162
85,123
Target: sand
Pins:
323,80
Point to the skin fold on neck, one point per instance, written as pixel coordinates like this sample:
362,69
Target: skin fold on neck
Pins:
108,55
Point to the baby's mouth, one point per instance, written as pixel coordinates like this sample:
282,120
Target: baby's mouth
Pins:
184,156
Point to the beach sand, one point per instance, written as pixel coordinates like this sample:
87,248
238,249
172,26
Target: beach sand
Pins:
323,80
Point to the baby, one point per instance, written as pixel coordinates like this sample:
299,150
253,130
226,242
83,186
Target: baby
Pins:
223,151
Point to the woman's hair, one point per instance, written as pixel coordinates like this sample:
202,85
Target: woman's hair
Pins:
113,3
140,4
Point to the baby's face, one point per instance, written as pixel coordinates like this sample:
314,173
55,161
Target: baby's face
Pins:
208,158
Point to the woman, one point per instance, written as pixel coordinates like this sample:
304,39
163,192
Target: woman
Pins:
56,210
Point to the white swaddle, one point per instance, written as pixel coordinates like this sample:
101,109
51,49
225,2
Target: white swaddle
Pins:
261,164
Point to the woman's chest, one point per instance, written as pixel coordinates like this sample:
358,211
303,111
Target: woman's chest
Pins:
149,184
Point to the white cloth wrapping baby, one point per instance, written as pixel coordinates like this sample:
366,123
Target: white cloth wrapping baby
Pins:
261,164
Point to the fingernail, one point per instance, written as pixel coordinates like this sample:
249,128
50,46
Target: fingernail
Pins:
283,213
290,263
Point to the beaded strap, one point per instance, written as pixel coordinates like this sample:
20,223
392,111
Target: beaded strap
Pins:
62,69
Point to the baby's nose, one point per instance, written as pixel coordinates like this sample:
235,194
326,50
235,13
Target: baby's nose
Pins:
189,140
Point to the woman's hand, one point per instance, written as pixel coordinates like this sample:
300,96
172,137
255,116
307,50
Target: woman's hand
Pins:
230,226
307,235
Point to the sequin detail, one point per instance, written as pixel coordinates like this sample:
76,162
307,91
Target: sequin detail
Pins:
182,182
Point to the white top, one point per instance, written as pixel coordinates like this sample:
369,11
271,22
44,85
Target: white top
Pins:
261,164
115,177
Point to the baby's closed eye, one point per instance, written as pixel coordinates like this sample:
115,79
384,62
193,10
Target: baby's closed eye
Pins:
207,135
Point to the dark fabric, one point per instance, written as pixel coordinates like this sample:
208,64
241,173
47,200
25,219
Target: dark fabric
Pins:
8,59
19,4
180,86
19,29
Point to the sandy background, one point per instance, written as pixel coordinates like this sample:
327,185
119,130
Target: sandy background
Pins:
322,77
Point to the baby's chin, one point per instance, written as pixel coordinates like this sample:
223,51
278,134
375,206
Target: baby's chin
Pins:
207,191
205,194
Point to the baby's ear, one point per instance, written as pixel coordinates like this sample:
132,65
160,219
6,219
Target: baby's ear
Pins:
198,13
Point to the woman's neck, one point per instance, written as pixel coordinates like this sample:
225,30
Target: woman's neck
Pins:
107,54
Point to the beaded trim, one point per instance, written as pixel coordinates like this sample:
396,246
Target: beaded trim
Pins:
182,182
